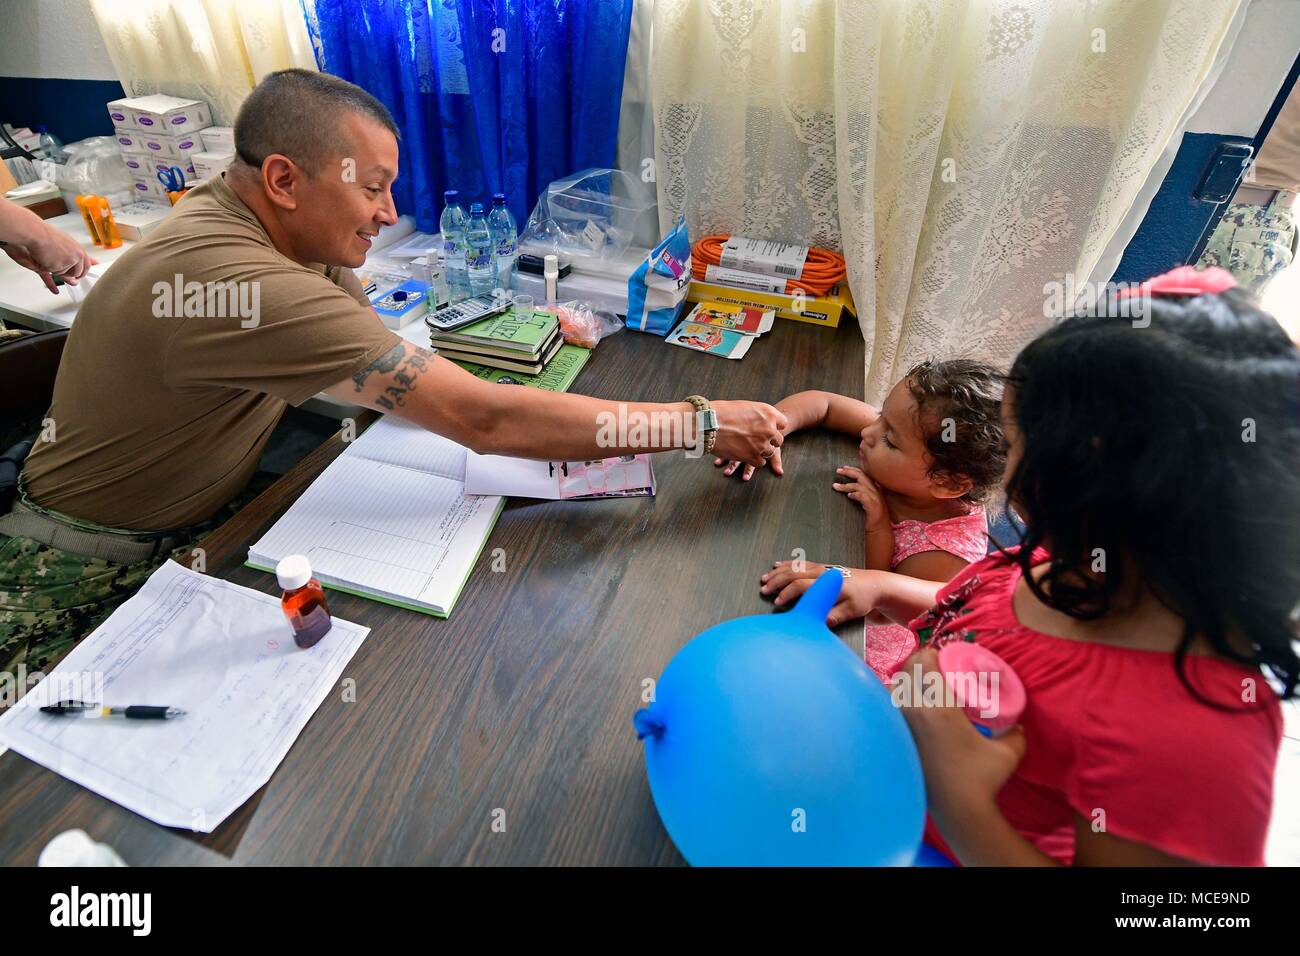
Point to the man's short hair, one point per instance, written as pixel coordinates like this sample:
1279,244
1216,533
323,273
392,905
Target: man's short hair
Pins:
298,113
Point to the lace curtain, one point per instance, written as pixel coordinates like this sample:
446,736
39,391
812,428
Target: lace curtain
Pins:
961,153
213,50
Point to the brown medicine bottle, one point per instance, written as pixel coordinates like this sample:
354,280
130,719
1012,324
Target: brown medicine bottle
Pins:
304,600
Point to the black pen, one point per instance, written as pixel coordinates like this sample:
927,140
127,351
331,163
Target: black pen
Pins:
134,712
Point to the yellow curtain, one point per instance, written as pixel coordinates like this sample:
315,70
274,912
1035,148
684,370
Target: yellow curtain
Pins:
961,153
214,50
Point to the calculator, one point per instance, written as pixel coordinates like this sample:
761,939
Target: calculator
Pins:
466,312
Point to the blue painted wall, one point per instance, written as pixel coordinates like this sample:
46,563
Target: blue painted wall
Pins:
1174,223
71,109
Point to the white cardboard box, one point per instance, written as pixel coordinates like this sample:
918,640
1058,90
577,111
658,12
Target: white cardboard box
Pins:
207,165
218,139
136,220
171,147
169,114
129,140
148,188
120,114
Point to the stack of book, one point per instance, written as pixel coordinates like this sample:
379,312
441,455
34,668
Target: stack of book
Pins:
512,341
522,349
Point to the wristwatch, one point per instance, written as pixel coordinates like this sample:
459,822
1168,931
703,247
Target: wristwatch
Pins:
706,422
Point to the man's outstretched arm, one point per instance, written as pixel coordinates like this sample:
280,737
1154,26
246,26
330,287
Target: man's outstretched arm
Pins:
438,395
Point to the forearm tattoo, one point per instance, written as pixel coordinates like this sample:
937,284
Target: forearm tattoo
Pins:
402,371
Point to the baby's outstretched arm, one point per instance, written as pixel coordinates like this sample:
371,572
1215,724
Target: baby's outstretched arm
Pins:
810,410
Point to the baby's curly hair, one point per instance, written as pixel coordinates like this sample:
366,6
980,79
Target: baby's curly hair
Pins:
958,410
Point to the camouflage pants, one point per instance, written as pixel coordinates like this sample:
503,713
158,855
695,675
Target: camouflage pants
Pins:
1253,242
50,598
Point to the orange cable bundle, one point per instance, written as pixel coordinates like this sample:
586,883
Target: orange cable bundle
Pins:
821,271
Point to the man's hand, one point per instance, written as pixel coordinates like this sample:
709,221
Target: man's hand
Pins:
857,597
750,432
729,465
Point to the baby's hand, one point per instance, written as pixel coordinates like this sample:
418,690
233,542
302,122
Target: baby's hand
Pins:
858,596
865,492
731,465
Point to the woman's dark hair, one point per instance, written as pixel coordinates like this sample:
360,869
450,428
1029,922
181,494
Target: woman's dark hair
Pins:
1176,445
958,405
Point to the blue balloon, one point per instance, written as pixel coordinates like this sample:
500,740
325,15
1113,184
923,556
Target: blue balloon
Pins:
770,743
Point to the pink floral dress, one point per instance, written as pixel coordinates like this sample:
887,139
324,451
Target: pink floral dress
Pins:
888,645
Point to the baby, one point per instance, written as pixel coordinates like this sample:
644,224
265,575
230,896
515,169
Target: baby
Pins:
929,459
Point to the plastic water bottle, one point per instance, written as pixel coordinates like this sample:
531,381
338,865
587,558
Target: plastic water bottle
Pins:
505,235
51,147
453,224
479,253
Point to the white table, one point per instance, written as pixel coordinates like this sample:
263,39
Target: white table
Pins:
25,301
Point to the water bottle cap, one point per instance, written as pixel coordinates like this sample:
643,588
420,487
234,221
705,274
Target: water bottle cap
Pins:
498,199
40,129
293,571
451,197
476,209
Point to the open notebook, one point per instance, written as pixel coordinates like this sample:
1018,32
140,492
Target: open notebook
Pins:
389,520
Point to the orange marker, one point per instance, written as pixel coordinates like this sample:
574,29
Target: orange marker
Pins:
83,203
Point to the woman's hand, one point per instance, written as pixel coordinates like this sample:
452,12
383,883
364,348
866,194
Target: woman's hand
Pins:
857,597
964,770
855,483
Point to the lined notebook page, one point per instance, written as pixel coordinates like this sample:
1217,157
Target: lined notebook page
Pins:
397,442
388,519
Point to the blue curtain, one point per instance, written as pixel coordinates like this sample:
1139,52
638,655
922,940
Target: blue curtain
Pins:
489,95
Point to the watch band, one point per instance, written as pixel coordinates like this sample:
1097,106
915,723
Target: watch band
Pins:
706,422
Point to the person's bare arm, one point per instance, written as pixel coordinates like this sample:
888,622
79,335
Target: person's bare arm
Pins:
839,413
36,245
417,385
809,410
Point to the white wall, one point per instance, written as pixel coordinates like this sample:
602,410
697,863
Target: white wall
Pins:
52,39
1256,67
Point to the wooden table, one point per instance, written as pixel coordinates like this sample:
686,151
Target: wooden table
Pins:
522,700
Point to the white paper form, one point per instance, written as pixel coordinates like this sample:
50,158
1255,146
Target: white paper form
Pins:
626,476
222,653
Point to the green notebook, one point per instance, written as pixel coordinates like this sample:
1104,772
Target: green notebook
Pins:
508,335
558,376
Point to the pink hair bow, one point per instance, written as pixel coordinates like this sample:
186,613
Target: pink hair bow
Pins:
1186,280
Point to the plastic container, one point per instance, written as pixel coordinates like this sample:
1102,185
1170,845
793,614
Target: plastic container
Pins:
452,225
303,602
480,257
999,696
505,236
52,146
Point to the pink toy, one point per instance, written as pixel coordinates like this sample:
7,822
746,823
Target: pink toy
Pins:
984,685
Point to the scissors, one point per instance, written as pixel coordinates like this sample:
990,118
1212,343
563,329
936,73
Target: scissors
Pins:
173,180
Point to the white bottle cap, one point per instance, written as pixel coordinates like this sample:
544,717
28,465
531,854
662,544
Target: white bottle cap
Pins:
293,572
76,848
551,267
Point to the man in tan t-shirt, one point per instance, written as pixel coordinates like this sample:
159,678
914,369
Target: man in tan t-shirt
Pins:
186,353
